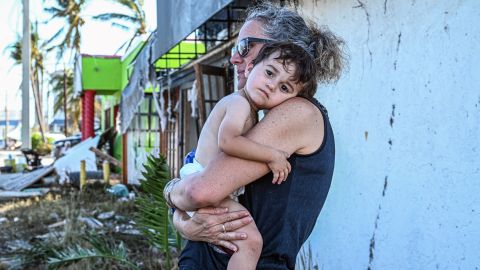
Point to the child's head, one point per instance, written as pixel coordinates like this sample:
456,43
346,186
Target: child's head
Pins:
297,68
282,70
296,61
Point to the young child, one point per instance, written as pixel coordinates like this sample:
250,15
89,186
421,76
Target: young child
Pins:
281,71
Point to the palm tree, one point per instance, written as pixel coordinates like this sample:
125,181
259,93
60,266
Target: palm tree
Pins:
61,82
36,67
71,12
58,81
135,19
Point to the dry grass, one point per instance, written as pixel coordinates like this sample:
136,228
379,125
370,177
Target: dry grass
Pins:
28,219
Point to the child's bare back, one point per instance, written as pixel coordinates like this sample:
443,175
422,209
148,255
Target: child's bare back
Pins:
239,108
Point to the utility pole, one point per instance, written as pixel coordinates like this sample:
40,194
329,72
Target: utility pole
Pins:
26,76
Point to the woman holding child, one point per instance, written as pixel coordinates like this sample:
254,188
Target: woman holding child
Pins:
282,58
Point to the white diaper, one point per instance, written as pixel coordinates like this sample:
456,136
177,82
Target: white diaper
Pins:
190,168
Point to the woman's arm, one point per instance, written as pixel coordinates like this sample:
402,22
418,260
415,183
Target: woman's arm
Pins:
293,127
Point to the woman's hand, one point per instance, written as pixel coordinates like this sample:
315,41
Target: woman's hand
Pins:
212,225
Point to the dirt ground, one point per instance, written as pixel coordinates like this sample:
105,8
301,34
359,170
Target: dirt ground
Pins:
61,219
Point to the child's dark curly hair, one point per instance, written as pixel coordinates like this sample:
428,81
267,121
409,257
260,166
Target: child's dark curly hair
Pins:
322,62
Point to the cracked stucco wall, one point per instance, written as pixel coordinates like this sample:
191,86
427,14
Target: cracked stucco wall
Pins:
406,116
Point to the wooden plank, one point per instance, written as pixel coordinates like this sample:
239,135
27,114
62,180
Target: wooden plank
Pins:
23,180
202,117
213,70
110,159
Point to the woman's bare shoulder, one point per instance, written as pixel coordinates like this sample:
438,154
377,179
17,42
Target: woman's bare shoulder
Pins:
295,108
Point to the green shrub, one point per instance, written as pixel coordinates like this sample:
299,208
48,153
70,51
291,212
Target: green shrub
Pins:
39,146
36,140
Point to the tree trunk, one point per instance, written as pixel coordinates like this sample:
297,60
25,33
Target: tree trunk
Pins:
38,108
65,100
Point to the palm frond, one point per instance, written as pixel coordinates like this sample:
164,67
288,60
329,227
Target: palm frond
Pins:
16,52
77,40
71,12
126,3
111,16
67,40
101,249
53,10
121,26
136,16
153,216
130,42
55,36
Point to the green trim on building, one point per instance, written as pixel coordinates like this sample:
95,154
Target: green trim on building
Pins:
108,75
180,55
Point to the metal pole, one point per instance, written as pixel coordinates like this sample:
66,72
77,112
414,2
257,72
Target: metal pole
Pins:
6,119
26,76
83,174
106,173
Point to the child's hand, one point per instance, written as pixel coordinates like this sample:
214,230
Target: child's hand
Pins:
280,167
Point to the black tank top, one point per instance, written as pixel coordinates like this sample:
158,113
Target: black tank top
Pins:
286,214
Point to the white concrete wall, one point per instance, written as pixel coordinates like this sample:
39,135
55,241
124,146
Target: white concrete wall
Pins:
407,196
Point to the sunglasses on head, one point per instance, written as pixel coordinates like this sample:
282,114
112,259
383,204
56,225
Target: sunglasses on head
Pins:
243,46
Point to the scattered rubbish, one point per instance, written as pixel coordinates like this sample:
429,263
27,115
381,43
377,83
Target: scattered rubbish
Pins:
106,215
19,181
9,263
71,161
27,193
57,224
127,229
120,218
56,235
104,156
65,214
119,190
6,169
91,222
33,159
49,180
74,177
18,245
54,216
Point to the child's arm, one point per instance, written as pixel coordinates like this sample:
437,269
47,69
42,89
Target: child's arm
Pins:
231,141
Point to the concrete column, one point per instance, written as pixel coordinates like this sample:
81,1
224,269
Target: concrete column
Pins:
88,114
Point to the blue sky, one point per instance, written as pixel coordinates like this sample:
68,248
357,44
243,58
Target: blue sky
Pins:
97,38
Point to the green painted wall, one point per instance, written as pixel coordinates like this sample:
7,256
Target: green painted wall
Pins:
101,74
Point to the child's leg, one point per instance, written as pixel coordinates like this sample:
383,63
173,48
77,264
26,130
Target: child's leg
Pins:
249,249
